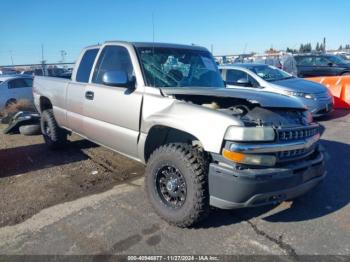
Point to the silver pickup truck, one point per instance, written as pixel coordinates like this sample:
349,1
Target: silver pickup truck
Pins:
203,145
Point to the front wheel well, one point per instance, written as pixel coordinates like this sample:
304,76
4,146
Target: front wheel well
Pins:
162,135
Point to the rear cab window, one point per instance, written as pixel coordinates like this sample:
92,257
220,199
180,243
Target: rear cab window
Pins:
85,65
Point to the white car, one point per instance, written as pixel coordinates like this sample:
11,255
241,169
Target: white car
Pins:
14,88
265,78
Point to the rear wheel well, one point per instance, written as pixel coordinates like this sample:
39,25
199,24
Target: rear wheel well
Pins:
162,135
45,104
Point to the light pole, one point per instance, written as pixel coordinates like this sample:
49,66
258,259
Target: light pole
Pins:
11,56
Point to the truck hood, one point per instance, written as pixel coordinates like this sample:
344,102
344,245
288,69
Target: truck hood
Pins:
300,85
264,99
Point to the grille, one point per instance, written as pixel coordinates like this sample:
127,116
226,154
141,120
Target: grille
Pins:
297,133
294,154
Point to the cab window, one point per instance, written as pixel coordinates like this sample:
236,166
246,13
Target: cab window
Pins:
112,58
85,66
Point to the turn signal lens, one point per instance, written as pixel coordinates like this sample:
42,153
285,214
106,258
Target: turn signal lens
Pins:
234,156
249,159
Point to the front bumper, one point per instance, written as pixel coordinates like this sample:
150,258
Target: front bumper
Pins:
320,107
230,188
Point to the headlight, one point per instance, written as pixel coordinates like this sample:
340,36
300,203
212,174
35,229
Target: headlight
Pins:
237,133
249,159
300,94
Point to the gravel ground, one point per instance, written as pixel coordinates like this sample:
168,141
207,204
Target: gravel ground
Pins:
33,178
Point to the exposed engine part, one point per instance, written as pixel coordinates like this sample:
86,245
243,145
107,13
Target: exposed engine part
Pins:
239,110
273,117
212,105
250,114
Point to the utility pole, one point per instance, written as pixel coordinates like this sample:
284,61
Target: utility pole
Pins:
212,48
324,44
42,52
43,62
63,57
11,56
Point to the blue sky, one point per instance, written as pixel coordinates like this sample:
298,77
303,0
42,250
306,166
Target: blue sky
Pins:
231,26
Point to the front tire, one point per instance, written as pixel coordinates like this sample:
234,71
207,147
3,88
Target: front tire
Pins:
54,136
177,185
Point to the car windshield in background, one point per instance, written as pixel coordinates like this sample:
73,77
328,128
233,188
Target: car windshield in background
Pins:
175,67
337,60
270,74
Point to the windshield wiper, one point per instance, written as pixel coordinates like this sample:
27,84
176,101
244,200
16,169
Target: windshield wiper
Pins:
284,78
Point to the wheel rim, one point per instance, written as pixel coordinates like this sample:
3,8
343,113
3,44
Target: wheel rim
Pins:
171,186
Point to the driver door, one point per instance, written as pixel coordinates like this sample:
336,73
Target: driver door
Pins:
112,113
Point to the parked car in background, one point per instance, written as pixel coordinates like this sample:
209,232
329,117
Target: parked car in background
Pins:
27,72
166,105
7,71
312,65
14,88
267,78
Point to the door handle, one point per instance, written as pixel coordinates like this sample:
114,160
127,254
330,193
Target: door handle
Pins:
89,95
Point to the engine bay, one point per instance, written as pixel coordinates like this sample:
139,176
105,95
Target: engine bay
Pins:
250,112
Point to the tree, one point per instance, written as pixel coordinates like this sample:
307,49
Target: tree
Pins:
340,47
321,47
317,47
290,50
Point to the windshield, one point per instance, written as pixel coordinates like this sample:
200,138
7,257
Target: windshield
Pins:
337,60
270,73
175,67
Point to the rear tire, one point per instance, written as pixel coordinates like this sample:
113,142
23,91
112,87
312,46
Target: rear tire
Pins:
177,184
346,74
54,136
30,130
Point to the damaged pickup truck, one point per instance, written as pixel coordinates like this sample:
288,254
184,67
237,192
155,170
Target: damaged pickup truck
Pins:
203,145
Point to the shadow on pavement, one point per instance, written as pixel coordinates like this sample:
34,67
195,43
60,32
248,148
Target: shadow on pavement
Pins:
328,197
30,158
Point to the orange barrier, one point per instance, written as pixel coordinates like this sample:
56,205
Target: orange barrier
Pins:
339,87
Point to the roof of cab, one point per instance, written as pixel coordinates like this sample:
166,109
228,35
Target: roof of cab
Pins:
155,44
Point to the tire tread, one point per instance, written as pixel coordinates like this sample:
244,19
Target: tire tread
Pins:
196,160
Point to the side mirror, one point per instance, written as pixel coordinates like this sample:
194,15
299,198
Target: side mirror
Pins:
117,78
330,64
244,82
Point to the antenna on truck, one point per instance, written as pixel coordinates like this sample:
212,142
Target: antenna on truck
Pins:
154,79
